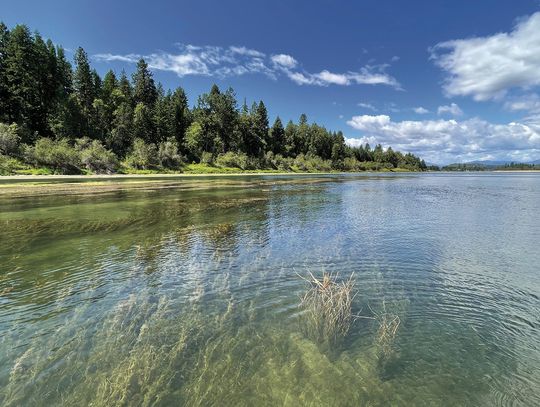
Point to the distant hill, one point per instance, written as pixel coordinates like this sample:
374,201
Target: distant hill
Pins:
489,163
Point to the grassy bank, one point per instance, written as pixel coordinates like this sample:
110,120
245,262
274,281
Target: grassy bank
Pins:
15,167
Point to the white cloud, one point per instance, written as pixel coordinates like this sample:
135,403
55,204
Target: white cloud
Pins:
420,110
452,109
239,60
285,61
247,51
444,141
331,78
488,67
299,78
529,103
367,106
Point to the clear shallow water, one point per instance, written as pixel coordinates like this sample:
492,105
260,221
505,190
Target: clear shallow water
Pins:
188,295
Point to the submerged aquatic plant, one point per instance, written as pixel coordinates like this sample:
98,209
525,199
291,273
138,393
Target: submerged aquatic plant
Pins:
386,333
328,305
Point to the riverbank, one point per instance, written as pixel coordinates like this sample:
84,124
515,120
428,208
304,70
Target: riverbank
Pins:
28,185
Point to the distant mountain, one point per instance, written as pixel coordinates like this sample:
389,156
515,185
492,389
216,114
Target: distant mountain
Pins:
489,163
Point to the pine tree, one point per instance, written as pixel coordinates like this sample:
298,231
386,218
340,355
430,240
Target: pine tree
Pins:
181,115
125,87
144,88
110,83
4,97
277,137
338,149
290,139
121,135
164,117
21,78
83,81
143,125
261,125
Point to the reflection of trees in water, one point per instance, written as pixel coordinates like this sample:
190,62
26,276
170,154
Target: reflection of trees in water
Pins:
177,299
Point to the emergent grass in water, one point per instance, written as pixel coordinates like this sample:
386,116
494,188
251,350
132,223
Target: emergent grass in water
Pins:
422,290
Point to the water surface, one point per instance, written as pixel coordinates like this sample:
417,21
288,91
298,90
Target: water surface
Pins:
186,291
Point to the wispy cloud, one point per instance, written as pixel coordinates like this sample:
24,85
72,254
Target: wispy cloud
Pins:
420,110
238,60
367,106
451,109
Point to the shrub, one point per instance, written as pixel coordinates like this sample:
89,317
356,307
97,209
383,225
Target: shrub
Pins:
9,139
98,159
312,163
351,164
168,155
207,158
9,165
277,162
55,154
142,156
234,160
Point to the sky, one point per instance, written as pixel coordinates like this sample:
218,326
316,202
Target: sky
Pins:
451,81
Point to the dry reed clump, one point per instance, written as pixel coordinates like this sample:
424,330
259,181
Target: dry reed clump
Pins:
388,327
328,305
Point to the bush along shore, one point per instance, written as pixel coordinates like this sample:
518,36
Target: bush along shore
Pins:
59,118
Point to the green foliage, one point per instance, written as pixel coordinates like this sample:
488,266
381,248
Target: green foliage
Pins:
312,163
194,140
142,123
168,154
143,156
9,139
97,159
45,97
144,88
55,154
10,165
276,140
207,158
234,160
121,134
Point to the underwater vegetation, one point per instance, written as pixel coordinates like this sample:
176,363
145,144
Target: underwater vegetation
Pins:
193,297
328,305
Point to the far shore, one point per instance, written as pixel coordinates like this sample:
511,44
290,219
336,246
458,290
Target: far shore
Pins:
52,177
26,177
158,175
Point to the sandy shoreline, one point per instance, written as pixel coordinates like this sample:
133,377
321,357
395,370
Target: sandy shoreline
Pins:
165,175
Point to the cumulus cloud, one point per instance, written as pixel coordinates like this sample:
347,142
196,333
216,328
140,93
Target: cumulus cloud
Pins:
444,141
452,109
285,61
420,110
238,60
488,67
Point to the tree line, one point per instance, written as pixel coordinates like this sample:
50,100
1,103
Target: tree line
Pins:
511,166
67,117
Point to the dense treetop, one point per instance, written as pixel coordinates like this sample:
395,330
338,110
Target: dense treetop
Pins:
67,117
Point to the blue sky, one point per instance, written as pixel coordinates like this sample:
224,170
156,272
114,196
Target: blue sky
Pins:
449,80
